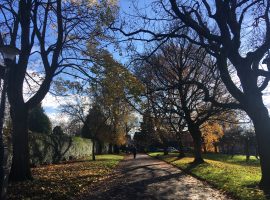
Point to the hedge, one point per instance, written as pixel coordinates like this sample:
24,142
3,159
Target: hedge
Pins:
47,149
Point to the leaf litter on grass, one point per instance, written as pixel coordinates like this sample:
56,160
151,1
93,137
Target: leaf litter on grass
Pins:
63,181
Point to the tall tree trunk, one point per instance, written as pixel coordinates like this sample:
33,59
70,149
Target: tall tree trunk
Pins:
20,169
110,149
94,149
116,149
257,151
197,140
216,148
204,148
247,149
252,102
181,149
100,147
198,151
165,150
232,150
261,123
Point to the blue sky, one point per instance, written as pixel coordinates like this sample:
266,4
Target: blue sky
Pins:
51,103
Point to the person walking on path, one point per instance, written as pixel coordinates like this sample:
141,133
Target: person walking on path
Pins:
134,151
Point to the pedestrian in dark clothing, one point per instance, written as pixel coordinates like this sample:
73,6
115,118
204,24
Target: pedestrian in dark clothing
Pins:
134,151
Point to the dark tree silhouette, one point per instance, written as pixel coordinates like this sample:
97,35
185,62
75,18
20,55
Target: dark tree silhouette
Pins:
58,130
39,121
52,34
95,125
237,34
180,85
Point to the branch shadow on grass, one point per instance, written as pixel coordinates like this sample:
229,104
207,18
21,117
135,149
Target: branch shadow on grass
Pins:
192,165
175,158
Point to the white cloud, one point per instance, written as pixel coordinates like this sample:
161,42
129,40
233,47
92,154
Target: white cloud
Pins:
52,106
52,102
57,118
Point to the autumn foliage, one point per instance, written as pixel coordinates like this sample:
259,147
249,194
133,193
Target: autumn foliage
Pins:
211,134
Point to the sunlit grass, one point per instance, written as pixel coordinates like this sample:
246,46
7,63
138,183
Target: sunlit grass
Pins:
232,175
64,181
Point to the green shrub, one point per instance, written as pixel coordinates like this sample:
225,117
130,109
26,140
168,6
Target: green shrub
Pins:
47,149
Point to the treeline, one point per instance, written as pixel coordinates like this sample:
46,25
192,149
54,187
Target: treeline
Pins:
180,79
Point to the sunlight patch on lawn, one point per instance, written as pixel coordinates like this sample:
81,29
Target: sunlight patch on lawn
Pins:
232,175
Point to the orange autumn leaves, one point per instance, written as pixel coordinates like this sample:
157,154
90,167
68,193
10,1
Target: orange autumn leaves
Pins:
211,133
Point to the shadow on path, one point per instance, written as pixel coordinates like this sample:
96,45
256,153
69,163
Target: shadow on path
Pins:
147,178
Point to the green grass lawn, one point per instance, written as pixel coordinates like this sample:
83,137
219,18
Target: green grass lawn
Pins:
64,181
232,175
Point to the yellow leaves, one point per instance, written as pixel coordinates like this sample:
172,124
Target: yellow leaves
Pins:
211,132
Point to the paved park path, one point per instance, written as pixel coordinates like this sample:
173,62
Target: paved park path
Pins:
146,178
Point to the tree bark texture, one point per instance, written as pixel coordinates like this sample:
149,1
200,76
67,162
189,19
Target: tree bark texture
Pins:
94,149
181,149
261,123
20,168
197,141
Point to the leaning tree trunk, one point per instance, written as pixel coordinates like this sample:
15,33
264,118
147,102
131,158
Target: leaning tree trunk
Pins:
252,103
261,123
20,169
